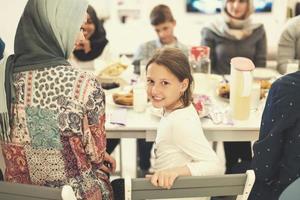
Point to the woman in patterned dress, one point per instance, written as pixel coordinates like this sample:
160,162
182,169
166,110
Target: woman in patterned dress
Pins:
57,113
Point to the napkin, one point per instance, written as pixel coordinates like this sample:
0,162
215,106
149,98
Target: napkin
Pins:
118,116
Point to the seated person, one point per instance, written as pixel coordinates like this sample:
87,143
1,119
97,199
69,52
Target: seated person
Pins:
93,51
163,23
276,159
234,34
180,147
57,112
289,44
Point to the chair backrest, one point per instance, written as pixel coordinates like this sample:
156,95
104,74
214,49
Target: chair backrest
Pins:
292,192
18,191
238,185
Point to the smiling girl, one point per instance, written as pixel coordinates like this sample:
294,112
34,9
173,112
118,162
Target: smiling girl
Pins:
181,148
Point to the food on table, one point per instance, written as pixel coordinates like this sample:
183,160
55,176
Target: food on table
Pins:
123,99
224,89
114,69
265,84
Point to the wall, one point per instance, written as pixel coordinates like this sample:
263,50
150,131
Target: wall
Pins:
125,38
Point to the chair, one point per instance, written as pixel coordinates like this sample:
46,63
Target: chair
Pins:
292,192
18,191
238,185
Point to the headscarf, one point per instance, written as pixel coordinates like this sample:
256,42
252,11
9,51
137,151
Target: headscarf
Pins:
98,39
45,37
229,27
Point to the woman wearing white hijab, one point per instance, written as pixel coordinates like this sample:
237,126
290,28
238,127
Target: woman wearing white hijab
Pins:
234,34
57,113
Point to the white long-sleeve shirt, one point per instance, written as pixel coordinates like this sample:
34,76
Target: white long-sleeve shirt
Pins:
180,141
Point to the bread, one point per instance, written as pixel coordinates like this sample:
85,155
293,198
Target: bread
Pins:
123,99
265,84
224,89
114,70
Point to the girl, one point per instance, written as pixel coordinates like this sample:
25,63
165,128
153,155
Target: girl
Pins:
181,148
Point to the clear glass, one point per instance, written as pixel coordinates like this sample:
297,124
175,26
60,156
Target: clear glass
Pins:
255,95
292,66
201,66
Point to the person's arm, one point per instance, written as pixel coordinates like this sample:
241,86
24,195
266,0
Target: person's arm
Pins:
260,57
208,40
191,140
94,135
141,53
286,48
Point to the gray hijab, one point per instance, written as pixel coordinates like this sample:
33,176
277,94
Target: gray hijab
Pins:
45,37
46,33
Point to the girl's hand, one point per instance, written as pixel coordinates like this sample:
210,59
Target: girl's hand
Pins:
166,178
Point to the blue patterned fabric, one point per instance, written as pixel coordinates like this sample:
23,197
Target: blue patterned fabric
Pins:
276,160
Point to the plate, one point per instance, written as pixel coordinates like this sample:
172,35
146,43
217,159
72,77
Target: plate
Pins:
265,73
111,102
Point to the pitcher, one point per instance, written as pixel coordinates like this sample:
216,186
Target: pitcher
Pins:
240,87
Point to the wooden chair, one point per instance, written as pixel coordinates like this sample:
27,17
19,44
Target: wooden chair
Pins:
238,185
16,191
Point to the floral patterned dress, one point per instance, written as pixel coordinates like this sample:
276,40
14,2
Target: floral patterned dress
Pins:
58,134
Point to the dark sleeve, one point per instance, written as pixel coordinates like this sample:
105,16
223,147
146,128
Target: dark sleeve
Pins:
2,47
208,40
260,58
277,120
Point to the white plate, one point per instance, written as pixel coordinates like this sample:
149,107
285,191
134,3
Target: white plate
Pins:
111,102
265,73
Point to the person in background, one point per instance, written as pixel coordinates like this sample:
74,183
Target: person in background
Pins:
57,112
93,51
163,22
289,44
276,159
234,34
180,147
